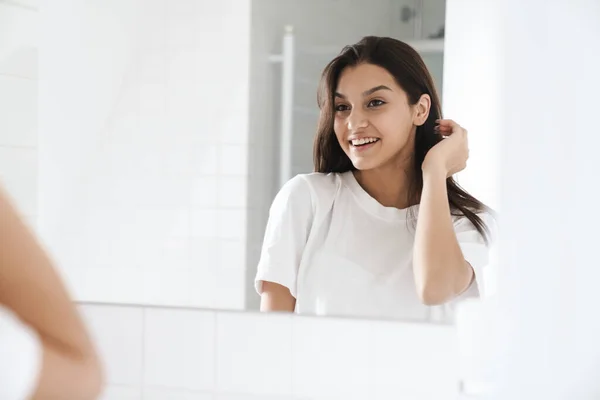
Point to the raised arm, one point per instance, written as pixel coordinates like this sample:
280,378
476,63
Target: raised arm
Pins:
440,269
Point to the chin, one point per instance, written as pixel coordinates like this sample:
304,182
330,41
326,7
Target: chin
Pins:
365,165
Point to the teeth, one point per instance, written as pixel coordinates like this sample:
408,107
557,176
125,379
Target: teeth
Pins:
358,142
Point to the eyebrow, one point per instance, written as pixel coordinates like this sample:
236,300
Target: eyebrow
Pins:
366,92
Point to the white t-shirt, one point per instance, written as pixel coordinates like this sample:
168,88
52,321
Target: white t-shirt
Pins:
21,357
340,252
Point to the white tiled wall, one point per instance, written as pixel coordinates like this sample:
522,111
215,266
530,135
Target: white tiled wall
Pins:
18,105
169,353
143,149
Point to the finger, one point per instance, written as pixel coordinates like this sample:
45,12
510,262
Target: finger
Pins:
443,128
451,127
445,131
448,122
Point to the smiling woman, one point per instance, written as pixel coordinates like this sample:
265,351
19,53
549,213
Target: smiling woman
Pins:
381,229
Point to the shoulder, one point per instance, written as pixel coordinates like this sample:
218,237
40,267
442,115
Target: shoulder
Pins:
315,184
318,180
307,194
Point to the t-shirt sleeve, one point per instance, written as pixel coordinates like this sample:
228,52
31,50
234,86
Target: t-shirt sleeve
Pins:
286,234
21,357
475,250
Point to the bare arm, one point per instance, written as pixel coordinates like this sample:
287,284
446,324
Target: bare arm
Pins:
440,269
31,288
276,297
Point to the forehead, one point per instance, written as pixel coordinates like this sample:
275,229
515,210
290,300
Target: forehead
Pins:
357,79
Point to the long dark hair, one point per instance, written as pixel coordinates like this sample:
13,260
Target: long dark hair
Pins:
411,74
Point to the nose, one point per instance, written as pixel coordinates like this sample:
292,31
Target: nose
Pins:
357,120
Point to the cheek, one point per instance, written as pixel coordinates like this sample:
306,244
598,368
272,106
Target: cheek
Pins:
393,128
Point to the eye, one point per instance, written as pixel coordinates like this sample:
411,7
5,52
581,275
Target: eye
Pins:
341,108
376,103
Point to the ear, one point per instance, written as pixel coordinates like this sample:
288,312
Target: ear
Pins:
421,110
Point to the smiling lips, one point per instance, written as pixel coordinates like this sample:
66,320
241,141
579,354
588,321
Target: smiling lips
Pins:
362,144
362,141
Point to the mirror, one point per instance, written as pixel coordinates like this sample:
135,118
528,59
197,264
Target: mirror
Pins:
167,129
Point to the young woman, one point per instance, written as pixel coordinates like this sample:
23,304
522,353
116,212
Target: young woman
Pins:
381,229
45,350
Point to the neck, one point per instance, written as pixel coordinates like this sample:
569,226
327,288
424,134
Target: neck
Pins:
388,185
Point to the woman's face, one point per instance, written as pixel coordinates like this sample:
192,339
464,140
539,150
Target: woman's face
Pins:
374,122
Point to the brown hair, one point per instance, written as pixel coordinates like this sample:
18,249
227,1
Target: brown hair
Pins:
411,74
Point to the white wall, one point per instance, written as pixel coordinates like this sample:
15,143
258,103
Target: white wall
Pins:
161,353
143,149
529,87
471,91
18,105
549,194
